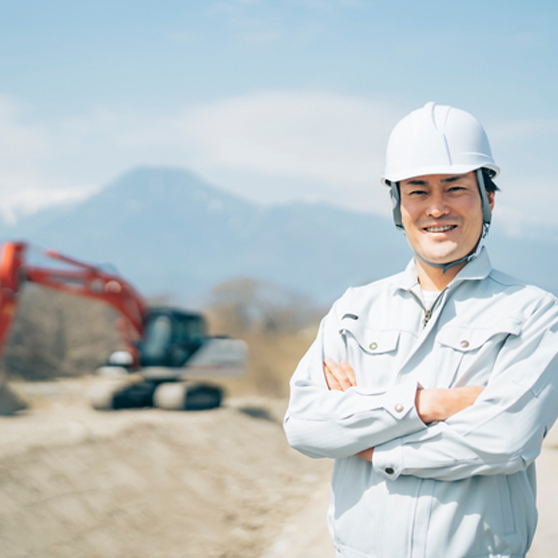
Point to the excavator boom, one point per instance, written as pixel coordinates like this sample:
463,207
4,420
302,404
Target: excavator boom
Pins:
84,280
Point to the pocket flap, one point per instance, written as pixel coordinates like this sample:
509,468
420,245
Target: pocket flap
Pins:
465,339
372,341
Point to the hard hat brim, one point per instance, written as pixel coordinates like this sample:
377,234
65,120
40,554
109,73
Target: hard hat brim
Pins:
449,169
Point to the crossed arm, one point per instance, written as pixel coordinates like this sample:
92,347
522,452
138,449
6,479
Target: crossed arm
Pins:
432,433
435,404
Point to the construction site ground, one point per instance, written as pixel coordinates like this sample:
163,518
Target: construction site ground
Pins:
150,483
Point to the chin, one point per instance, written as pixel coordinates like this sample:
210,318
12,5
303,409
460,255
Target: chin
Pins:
441,258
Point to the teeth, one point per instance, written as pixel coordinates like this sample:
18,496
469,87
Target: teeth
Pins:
439,229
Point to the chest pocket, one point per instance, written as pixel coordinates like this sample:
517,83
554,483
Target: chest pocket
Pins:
468,339
371,341
471,352
371,352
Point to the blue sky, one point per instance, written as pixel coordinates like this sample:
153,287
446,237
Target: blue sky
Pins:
271,100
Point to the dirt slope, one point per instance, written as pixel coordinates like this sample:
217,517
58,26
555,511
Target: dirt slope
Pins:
149,483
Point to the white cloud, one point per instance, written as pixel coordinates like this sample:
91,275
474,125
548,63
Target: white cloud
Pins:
31,200
270,147
304,145
330,139
44,164
314,135
25,150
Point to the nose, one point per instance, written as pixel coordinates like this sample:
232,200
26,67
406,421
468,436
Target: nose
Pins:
438,206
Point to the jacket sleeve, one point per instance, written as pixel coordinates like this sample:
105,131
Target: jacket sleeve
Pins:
329,423
502,432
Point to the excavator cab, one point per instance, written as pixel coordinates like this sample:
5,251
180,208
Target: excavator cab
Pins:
171,337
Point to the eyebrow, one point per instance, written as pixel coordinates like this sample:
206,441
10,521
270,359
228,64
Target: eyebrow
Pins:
452,179
418,182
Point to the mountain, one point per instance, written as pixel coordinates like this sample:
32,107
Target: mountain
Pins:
168,231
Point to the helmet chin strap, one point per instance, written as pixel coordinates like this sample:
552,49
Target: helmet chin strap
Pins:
471,256
486,218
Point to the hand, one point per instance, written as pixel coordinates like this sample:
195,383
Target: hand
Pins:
339,376
438,404
366,454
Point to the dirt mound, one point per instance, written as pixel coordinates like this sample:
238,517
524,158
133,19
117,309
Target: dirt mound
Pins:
149,483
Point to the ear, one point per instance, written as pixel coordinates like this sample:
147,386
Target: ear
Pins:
491,196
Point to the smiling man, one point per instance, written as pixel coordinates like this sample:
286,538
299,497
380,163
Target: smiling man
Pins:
433,389
442,219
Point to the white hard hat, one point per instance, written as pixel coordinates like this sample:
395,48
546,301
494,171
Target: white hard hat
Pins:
437,139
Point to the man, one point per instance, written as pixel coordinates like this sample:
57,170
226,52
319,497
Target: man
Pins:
433,389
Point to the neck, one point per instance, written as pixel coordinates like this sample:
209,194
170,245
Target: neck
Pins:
432,278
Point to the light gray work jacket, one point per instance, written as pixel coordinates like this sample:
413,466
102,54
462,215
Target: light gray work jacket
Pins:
462,488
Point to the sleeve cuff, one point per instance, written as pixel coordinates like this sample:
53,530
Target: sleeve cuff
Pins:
387,460
399,401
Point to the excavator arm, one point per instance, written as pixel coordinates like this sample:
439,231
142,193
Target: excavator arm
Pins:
81,279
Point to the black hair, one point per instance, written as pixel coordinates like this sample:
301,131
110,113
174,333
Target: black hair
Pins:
489,184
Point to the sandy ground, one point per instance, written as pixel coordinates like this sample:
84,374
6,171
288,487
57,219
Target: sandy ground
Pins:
150,483
305,534
545,544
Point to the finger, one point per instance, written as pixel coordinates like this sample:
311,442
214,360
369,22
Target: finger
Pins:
340,375
341,380
330,363
337,376
330,378
349,372
345,375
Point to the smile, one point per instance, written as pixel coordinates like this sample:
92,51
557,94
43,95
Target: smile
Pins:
440,229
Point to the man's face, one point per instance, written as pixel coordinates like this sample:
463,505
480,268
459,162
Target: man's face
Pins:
442,215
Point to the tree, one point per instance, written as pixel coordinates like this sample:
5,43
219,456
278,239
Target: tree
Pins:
248,305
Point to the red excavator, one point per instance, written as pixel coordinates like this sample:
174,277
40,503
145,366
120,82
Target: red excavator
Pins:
165,346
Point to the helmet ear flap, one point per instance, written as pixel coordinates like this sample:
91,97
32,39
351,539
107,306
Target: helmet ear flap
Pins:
396,204
486,213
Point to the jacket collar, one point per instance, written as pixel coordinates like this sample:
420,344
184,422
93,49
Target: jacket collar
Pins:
477,269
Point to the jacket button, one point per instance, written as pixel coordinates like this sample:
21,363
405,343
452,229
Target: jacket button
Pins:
464,343
399,407
373,346
389,470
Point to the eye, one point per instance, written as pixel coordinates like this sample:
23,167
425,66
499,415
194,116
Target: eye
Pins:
457,188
